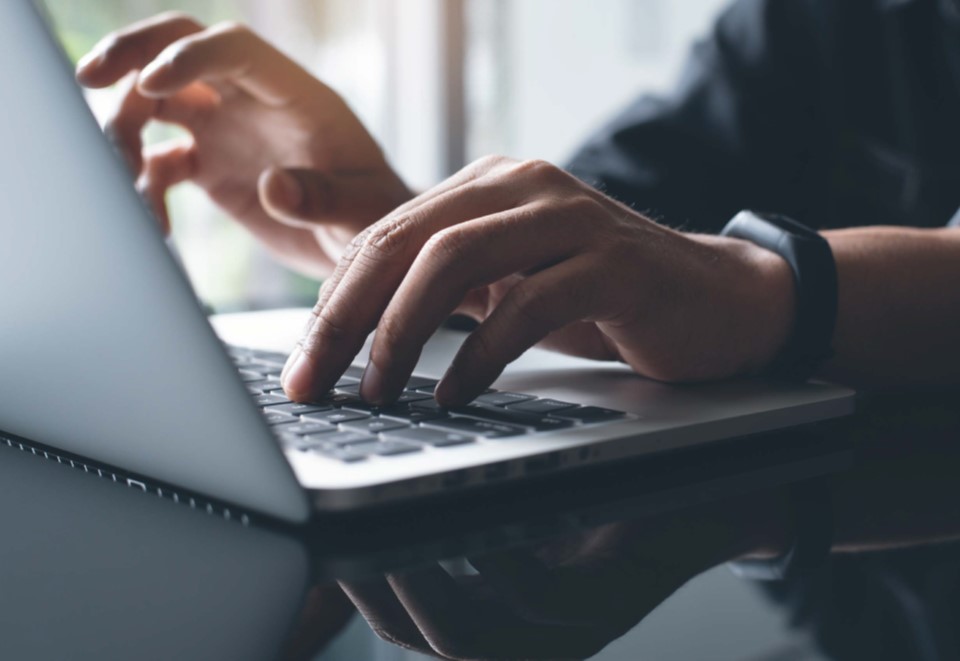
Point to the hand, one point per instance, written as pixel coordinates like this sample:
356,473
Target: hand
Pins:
571,597
539,257
277,149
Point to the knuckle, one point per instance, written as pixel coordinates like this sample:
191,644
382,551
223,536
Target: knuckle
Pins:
539,170
388,237
491,162
582,206
326,330
355,244
447,245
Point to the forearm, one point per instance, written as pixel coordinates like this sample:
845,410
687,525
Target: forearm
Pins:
899,306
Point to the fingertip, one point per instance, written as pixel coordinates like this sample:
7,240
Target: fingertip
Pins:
449,392
297,378
147,81
280,192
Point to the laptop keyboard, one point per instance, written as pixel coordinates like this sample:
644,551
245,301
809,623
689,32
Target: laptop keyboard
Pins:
341,426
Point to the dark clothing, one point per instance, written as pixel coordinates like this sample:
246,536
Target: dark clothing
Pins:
839,113
836,112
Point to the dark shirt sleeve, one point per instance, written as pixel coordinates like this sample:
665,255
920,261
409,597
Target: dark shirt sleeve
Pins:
738,131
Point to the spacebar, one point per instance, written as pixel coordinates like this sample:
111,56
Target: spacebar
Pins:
485,428
507,417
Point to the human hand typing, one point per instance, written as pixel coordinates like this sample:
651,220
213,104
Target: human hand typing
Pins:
539,257
276,148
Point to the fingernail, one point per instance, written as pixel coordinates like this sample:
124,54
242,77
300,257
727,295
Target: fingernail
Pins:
87,60
291,359
287,188
297,378
371,385
448,390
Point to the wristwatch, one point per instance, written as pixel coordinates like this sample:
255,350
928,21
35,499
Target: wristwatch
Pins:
815,276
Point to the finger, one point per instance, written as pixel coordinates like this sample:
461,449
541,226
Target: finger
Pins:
125,126
303,363
452,263
379,606
132,48
303,198
352,302
165,166
458,624
530,311
228,52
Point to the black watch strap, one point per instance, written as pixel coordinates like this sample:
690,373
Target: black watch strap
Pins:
815,275
811,503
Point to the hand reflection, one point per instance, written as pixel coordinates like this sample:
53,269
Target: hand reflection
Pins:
568,598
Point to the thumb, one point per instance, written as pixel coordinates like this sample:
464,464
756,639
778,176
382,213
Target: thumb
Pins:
297,196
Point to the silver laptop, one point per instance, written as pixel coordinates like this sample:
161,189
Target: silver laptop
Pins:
106,354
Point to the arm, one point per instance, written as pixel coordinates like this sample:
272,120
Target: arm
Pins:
899,307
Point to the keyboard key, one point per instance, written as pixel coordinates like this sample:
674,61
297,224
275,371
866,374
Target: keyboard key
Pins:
346,381
300,442
340,399
279,418
269,356
408,396
354,372
497,414
345,438
421,383
409,414
248,376
472,427
502,398
357,404
346,455
374,425
387,448
349,388
427,405
541,406
390,448
268,363
264,385
304,428
298,408
434,437
268,399
589,414
335,416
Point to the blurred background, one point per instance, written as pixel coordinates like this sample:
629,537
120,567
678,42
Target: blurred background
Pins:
438,82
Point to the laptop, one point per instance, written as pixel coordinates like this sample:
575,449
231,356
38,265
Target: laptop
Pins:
107,355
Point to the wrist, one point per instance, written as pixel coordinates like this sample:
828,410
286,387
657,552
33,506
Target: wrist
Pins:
758,294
